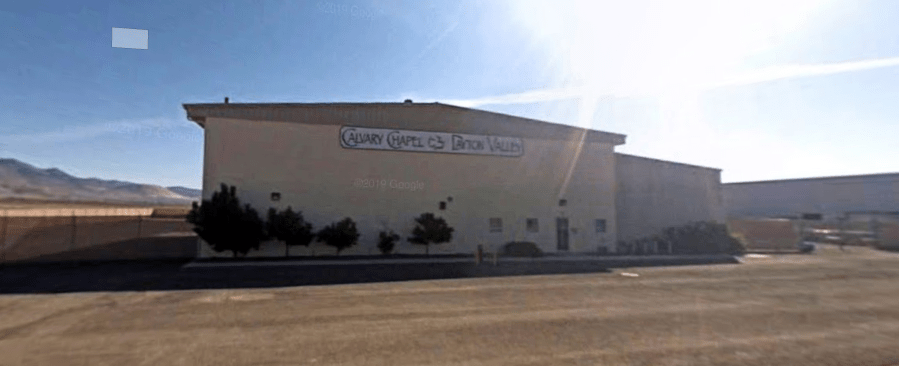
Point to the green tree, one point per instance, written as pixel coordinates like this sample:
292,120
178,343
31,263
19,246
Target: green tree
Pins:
387,241
295,230
340,235
430,229
225,224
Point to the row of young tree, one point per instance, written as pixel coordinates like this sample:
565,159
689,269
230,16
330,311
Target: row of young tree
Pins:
229,226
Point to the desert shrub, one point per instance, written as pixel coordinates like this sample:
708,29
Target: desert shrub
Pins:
741,238
387,241
430,229
521,249
225,224
806,248
340,235
702,238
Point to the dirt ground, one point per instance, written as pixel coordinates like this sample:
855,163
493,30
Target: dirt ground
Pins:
830,308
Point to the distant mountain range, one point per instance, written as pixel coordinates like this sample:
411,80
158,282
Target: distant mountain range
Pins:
24,181
187,192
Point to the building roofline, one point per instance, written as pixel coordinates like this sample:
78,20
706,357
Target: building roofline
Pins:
523,118
857,176
197,112
668,162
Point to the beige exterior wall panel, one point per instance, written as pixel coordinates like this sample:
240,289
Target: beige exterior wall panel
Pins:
313,173
828,196
653,195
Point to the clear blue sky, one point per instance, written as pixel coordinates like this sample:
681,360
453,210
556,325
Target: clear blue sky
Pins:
821,97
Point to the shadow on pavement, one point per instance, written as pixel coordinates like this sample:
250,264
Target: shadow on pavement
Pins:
169,275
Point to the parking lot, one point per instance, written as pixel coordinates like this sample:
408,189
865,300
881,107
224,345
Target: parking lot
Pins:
828,308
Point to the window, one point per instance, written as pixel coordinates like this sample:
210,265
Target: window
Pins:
442,205
600,225
496,225
276,196
532,225
563,202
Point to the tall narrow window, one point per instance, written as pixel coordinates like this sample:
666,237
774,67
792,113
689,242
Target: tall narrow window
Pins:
496,225
531,225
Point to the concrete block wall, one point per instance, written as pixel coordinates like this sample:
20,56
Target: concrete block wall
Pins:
24,238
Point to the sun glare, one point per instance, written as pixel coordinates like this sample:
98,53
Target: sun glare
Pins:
669,50
650,47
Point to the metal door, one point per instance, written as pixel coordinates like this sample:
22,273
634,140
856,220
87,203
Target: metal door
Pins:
562,233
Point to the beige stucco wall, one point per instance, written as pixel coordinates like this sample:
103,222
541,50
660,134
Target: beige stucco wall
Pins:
313,173
653,195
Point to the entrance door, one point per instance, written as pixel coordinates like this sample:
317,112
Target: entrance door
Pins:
562,233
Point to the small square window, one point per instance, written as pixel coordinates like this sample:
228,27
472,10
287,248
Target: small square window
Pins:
600,225
563,202
532,225
276,196
496,225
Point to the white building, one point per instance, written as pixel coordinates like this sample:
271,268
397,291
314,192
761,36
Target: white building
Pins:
832,197
495,178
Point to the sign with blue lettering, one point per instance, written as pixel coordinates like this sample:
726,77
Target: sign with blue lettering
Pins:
422,141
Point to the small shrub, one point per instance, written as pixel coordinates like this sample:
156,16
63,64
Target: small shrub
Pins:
340,235
693,238
521,249
430,229
806,248
386,241
290,227
702,238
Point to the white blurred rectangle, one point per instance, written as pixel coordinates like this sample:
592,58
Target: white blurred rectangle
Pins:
130,38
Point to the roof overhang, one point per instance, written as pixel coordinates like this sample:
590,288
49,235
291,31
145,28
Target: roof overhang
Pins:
411,116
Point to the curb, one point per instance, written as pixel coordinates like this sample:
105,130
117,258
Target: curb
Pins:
623,261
